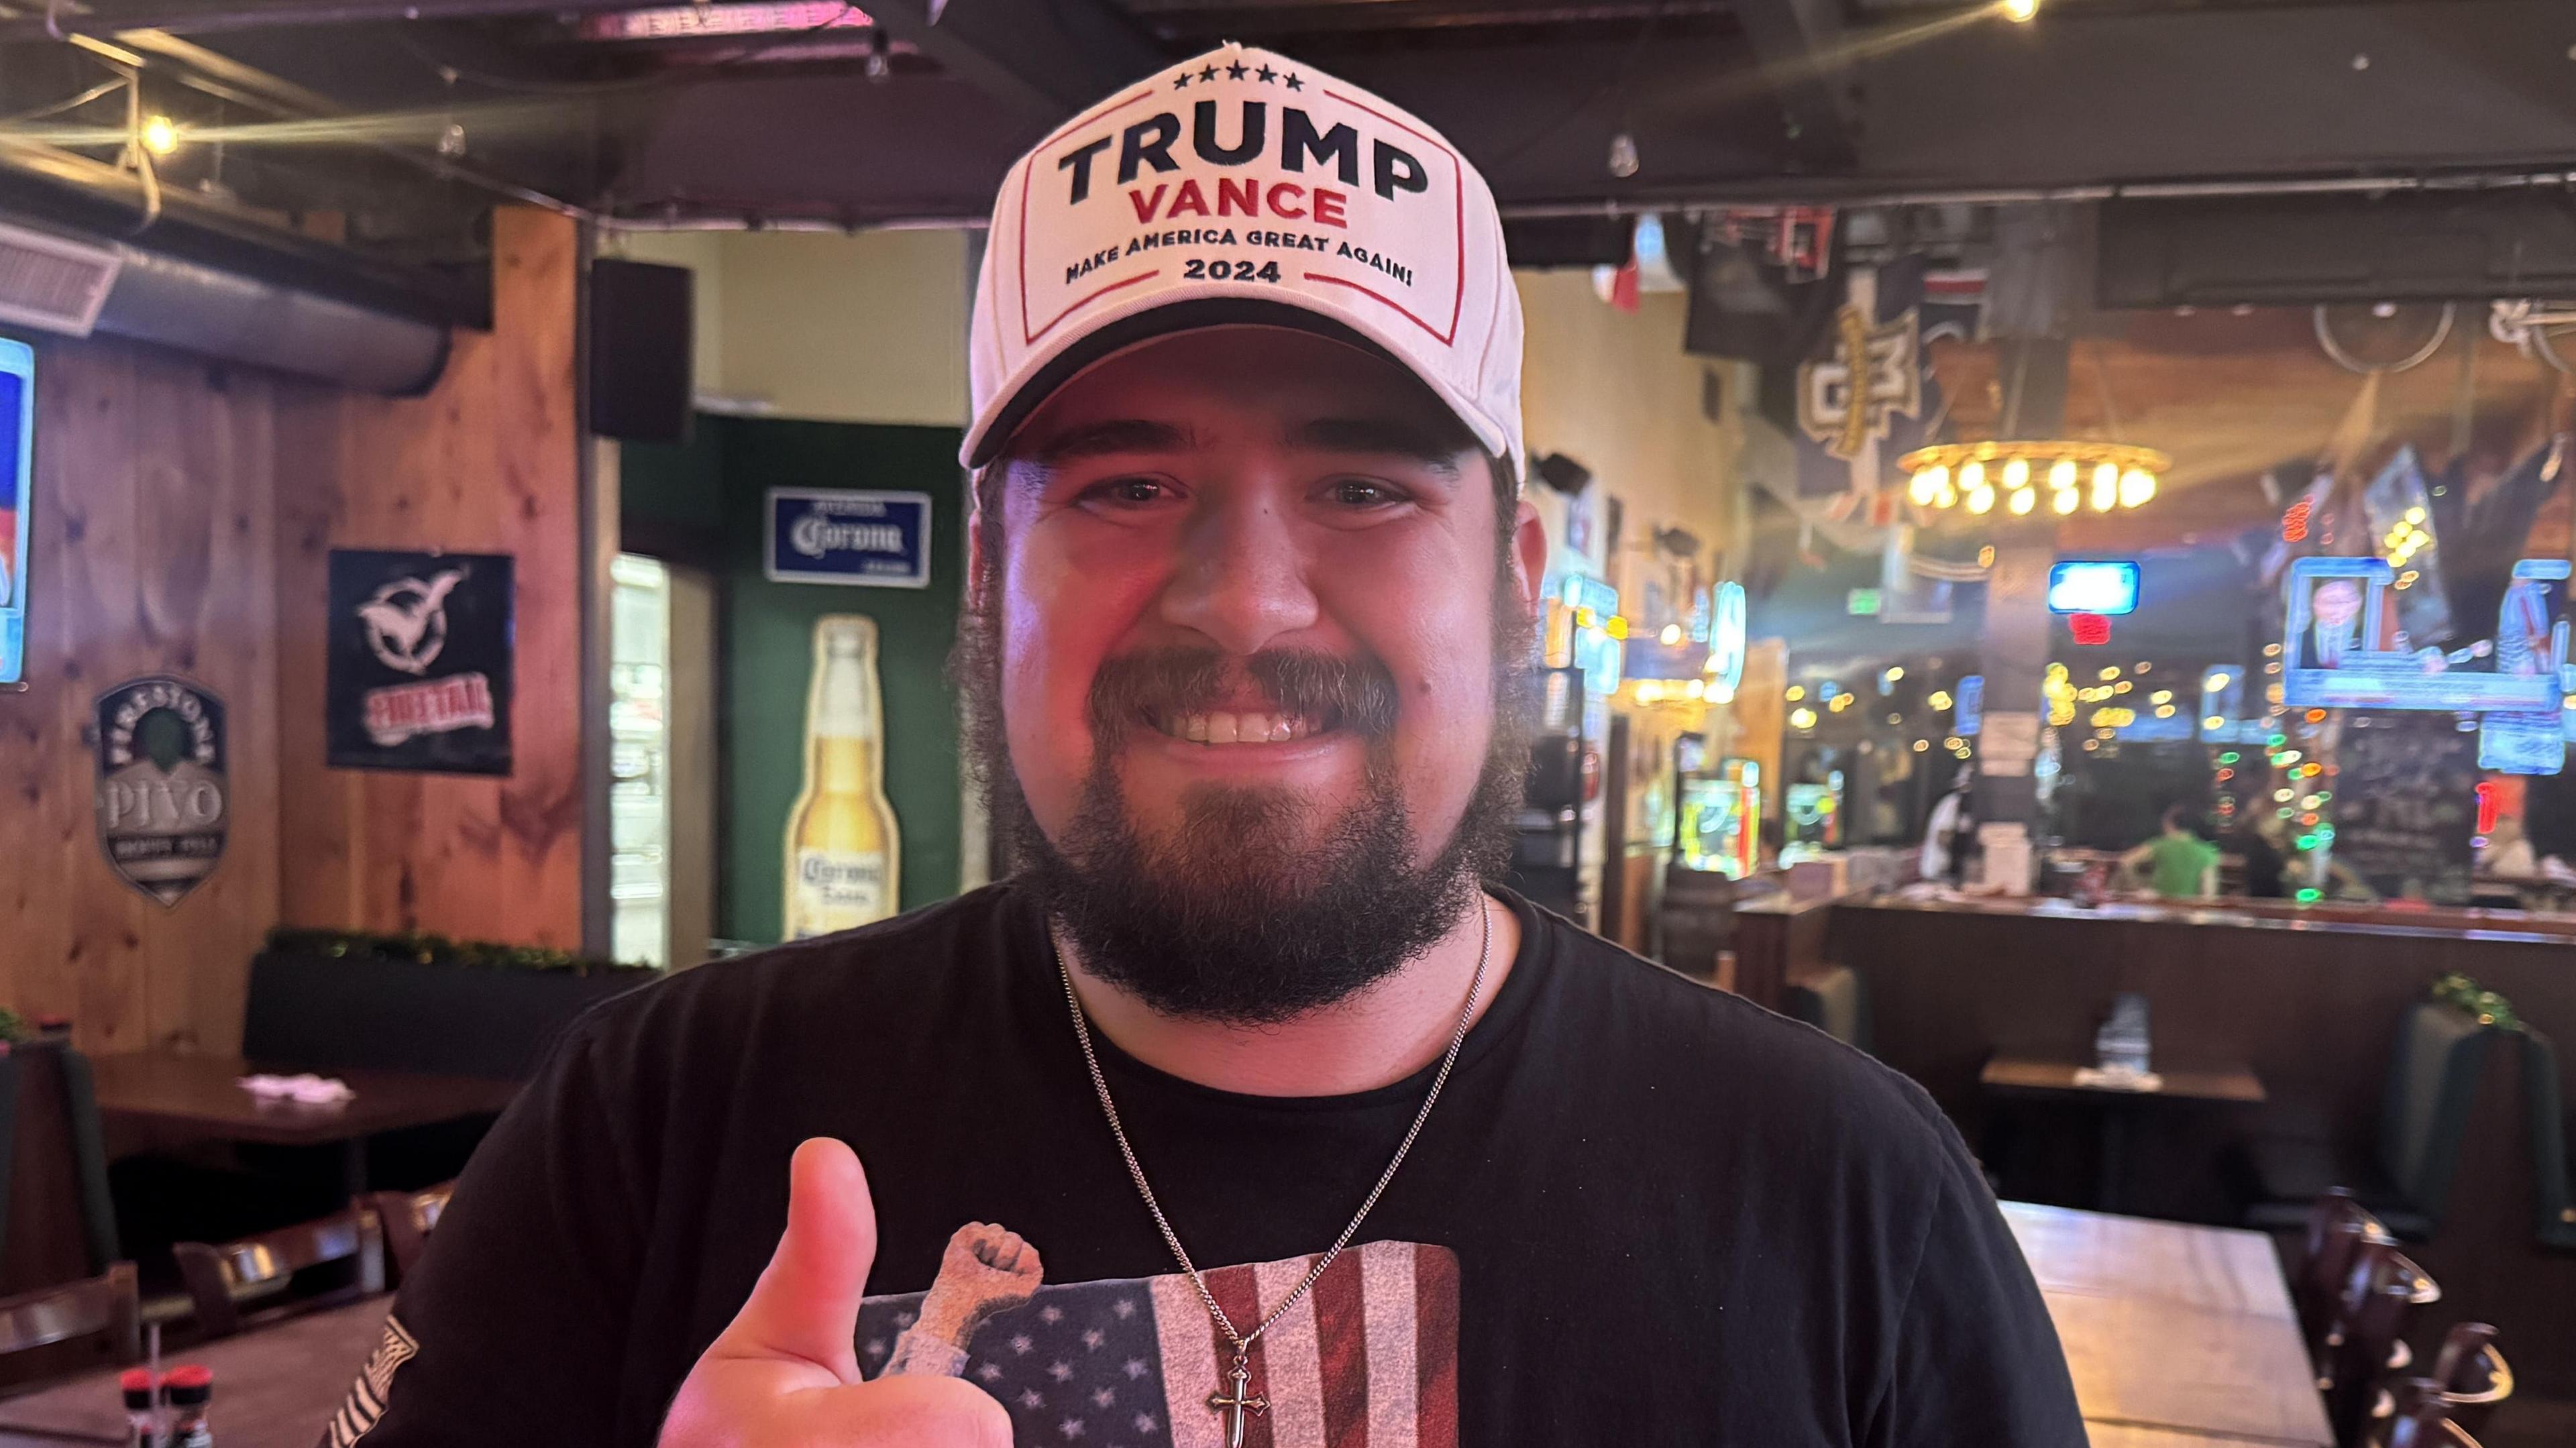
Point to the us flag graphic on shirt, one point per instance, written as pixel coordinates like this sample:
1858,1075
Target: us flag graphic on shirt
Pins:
1368,1359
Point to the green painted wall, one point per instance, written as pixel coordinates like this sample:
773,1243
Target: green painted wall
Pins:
766,639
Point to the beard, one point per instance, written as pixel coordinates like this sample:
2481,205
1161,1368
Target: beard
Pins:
1253,908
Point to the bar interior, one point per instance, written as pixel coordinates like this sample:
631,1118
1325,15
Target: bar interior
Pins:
2059,534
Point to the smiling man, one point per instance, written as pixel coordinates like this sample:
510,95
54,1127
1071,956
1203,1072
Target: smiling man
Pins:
1246,1113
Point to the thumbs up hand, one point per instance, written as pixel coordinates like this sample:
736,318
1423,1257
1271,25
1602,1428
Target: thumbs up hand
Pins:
785,1372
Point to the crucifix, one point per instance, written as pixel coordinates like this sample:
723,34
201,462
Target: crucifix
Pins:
1241,1405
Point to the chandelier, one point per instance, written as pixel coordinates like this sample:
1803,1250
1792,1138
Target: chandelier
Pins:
2016,476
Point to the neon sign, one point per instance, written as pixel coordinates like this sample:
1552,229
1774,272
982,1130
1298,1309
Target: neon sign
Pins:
2342,648
2093,586
1726,637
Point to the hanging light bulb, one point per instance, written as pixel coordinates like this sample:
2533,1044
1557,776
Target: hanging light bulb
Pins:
1972,477
1928,485
1623,155
2106,487
1981,499
2066,501
2061,474
2016,475
2136,487
2023,500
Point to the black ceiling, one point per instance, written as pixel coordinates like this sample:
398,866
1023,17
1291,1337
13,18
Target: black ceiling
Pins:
330,113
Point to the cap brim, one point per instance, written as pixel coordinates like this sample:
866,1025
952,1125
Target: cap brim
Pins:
1196,314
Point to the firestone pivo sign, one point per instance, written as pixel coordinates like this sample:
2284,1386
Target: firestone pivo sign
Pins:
820,535
162,804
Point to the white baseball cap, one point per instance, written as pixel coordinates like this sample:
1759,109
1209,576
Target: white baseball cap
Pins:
1244,188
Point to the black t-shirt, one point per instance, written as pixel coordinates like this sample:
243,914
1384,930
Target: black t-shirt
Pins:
1644,1212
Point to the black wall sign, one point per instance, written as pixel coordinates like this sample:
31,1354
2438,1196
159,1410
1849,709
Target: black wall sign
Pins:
2406,803
420,661
161,799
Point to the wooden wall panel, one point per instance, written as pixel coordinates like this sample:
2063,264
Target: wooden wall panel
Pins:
489,461
182,520
153,541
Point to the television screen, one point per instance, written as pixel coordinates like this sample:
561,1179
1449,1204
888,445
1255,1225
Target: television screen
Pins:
17,424
2093,587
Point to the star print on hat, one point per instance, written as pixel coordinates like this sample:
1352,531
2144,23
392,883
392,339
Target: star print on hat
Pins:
1242,187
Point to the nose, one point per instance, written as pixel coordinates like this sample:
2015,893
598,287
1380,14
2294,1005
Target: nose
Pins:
1241,580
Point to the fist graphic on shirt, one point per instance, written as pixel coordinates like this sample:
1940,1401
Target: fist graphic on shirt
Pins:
986,1269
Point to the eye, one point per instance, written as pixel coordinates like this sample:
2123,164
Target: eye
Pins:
1128,492
1362,493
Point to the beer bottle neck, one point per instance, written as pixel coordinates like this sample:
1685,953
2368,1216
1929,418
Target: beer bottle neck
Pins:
844,756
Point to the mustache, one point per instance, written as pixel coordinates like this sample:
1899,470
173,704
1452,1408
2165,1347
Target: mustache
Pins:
1358,694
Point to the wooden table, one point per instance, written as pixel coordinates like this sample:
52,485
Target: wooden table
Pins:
2198,1085
275,1387
2217,1269
2175,1335
164,1095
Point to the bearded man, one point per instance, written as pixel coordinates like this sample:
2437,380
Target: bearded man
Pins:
1324,1139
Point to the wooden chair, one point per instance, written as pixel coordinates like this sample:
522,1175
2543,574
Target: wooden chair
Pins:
2471,1374
407,1218
2381,1298
258,1272
2422,1417
106,1308
2337,1226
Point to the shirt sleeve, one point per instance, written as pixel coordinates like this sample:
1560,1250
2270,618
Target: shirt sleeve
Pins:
1976,1358
517,1313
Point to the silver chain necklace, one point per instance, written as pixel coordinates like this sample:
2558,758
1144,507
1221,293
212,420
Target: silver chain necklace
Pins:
1240,1402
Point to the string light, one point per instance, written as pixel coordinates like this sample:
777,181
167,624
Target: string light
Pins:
2123,476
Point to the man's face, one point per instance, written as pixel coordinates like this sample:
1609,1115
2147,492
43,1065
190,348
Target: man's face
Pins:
1247,618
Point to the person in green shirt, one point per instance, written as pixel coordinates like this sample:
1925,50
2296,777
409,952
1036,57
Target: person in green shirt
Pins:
2178,864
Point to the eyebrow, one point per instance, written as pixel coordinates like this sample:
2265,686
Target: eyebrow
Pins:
1385,436
1101,439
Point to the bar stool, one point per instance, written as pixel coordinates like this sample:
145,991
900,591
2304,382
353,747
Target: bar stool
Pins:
2381,1298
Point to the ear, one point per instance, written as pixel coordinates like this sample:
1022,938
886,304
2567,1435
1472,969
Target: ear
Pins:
1529,557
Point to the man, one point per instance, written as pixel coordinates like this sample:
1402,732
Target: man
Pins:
1321,1142
1951,831
2178,864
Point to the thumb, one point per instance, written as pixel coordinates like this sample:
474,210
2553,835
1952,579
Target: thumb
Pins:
806,1304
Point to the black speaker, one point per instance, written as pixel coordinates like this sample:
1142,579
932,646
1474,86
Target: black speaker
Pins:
641,340
1542,242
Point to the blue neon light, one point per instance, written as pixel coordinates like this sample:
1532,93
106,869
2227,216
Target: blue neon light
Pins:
2105,586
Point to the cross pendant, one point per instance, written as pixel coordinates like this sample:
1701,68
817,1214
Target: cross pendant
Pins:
1240,1405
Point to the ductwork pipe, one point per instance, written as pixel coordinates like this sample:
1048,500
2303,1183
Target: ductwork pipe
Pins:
201,275
175,303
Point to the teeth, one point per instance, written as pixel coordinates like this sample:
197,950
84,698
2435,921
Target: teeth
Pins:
1222,727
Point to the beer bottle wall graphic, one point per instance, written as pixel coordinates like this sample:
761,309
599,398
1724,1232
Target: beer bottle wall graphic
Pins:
842,851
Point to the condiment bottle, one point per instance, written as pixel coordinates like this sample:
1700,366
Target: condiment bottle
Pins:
188,1389
142,1425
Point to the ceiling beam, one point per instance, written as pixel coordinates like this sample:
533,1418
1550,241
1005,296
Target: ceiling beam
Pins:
1045,59
1803,53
